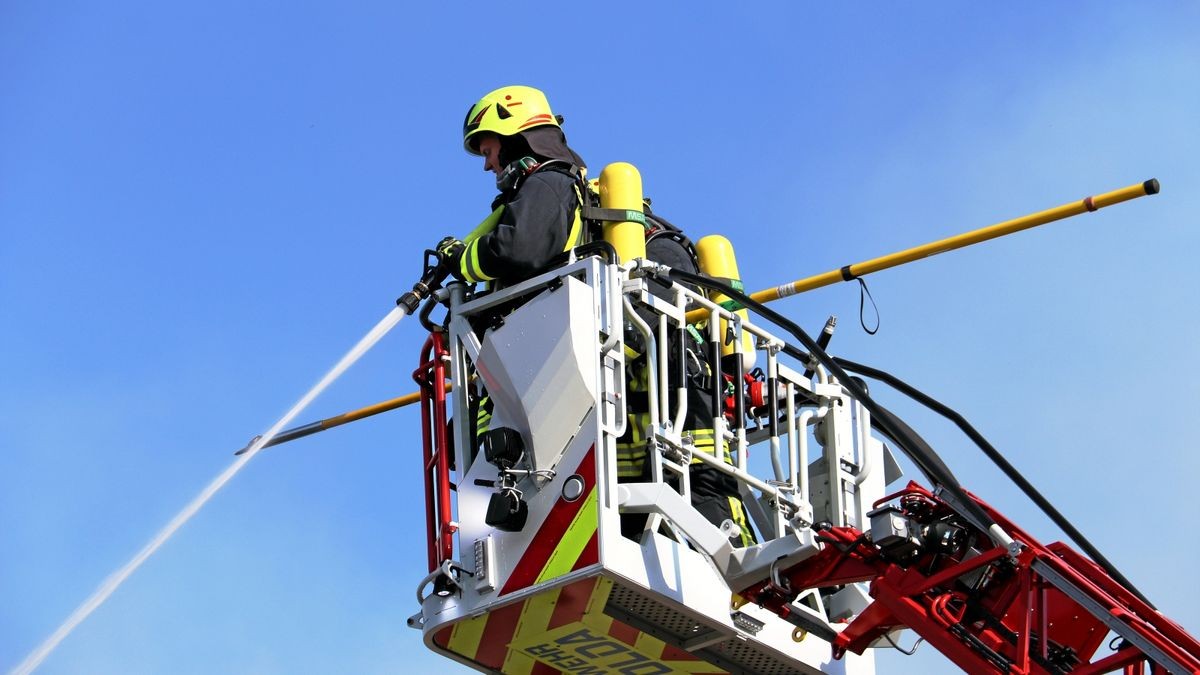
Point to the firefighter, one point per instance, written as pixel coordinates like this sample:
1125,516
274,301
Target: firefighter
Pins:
536,216
714,494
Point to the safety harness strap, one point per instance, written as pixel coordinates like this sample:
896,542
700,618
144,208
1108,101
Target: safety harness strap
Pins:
604,215
575,237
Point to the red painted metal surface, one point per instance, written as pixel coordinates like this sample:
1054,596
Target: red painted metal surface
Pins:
431,377
549,535
984,607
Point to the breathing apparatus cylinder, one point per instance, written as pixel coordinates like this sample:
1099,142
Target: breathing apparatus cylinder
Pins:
717,260
621,188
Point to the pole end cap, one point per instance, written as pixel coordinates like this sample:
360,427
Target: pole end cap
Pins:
1151,186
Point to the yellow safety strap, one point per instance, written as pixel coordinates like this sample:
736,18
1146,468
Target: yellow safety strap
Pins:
575,236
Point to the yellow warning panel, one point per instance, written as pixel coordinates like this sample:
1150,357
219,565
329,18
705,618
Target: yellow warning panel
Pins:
582,649
564,630
535,617
594,643
578,648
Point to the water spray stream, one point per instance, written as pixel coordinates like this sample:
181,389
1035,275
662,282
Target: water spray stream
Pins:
117,578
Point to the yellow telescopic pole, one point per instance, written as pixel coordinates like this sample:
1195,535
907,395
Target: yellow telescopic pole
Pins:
847,273
338,420
851,272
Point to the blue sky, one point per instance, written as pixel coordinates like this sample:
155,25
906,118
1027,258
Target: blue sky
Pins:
204,205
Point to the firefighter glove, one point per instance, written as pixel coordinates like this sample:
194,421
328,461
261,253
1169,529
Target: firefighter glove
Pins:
449,251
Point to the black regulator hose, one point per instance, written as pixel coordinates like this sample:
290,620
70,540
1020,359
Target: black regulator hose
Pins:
909,442
999,460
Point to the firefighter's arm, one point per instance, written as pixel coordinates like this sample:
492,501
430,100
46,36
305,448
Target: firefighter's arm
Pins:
528,234
458,255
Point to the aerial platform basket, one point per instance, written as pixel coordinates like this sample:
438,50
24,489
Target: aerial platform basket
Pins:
552,550
551,584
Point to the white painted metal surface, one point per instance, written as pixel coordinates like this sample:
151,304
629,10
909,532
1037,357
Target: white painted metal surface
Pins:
555,369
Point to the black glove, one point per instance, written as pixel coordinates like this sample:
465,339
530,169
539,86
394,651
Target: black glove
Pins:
449,251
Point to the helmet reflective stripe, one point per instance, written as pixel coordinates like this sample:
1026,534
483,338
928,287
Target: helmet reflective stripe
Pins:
538,120
505,112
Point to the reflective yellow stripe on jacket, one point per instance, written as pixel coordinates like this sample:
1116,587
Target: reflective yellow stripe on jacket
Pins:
631,456
468,264
703,440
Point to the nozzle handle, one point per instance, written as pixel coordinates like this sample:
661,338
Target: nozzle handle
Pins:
436,271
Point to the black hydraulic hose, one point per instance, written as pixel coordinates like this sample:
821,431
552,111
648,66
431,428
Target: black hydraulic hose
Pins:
925,456
918,451
999,460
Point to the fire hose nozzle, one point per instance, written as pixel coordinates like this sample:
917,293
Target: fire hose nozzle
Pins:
437,268
249,445
335,421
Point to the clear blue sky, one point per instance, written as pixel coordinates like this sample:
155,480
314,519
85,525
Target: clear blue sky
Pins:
204,205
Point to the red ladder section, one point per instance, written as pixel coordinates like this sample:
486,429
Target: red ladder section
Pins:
1034,609
431,377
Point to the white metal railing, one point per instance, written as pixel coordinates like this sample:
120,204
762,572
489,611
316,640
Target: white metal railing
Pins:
798,484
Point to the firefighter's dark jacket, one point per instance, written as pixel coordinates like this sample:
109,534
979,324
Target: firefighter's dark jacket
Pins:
537,221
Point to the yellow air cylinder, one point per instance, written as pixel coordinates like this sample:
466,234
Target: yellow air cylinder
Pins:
718,261
621,188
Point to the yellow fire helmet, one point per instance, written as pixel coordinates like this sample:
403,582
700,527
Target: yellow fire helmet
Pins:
506,112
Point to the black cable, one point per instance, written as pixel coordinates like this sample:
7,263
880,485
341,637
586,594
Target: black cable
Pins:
916,449
907,652
997,459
